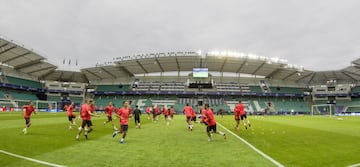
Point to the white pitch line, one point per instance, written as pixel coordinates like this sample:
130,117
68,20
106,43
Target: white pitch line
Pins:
355,165
30,159
253,147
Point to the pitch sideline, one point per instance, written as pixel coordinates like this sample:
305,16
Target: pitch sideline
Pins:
253,147
354,165
31,159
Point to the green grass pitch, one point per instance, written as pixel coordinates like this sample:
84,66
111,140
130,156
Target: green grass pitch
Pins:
292,141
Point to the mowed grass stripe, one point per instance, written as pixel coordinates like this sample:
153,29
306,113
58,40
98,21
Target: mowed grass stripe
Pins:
30,159
156,145
16,119
6,160
49,136
252,147
334,124
294,145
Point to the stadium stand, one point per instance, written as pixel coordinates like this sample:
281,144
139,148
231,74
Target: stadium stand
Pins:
233,87
24,82
269,86
287,90
172,86
356,89
256,89
111,88
23,96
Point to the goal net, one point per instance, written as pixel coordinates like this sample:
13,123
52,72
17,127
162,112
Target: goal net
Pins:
9,106
323,109
40,105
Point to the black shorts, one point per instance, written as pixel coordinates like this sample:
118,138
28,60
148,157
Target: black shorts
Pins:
124,128
242,117
193,118
109,118
87,123
71,117
188,119
154,115
27,120
166,116
211,128
137,119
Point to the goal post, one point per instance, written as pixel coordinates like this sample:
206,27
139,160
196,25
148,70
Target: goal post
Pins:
8,105
47,106
40,105
323,109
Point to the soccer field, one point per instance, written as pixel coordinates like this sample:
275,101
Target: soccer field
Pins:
291,141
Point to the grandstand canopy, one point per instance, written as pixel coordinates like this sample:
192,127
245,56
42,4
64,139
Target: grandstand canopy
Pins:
27,61
23,60
186,62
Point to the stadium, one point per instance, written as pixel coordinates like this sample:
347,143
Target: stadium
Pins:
266,86
299,116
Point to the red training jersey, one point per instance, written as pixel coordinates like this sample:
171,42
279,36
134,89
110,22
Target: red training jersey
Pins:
28,111
109,109
84,112
172,111
210,119
193,114
148,109
165,111
92,108
70,110
124,114
239,109
156,110
188,111
203,116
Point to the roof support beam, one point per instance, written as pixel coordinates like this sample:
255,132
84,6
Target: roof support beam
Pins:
107,72
30,63
177,64
71,76
304,77
343,72
274,72
86,78
16,57
257,69
61,74
8,49
286,77
126,70
349,72
357,64
41,69
46,74
241,66
93,74
222,66
5,44
161,68
312,77
142,67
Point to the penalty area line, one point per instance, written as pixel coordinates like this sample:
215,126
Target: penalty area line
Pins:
253,147
31,159
355,165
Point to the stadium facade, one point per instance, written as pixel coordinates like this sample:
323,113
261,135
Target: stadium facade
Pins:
265,85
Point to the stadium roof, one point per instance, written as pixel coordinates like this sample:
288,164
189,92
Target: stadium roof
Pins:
23,60
27,61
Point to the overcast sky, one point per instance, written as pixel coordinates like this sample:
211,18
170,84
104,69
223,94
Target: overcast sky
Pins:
320,35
